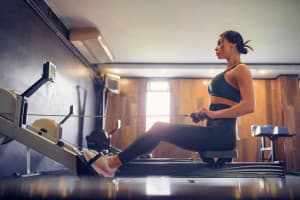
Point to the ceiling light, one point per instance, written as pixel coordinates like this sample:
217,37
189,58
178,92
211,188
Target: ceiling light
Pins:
261,71
163,71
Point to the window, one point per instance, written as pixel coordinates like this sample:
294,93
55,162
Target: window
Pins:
157,102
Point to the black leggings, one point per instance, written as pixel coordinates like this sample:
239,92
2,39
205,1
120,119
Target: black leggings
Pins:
219,134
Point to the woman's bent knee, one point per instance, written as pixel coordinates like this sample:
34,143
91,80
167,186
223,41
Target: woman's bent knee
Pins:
158,126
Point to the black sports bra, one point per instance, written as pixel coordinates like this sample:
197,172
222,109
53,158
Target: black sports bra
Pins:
220,88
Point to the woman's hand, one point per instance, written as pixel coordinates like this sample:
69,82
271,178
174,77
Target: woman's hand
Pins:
203,114
206,114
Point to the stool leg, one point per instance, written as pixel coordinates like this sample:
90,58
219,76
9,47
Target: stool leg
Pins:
262,149
273,151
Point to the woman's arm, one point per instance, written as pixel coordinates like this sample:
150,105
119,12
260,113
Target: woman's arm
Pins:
246,105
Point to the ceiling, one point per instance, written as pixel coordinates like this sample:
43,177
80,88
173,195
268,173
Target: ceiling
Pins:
176,38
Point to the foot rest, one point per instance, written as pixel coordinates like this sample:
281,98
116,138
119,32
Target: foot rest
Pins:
219,154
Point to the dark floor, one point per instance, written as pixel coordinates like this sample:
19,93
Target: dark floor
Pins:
73,187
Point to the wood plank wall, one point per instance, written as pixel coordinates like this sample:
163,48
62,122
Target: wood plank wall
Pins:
129,106
277,103
288,114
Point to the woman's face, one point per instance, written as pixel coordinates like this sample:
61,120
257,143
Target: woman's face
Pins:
224,48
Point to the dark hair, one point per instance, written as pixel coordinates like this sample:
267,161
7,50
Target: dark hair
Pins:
236,38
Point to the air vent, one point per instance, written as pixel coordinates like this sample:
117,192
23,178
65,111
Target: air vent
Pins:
91,45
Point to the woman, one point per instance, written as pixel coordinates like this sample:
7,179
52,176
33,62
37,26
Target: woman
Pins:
231,96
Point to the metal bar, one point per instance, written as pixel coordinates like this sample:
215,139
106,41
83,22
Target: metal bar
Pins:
262,149
34,87
97,116
28,161
43,10
104,107
273,150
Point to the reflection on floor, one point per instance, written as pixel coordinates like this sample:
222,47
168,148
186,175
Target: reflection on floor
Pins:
72,187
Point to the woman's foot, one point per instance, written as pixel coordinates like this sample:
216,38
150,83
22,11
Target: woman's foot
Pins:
100,165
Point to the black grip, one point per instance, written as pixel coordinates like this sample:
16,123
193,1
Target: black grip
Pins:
196,118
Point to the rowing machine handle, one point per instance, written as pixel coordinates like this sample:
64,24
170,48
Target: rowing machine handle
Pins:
196,118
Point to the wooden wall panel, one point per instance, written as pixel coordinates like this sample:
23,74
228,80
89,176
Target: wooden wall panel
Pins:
287,114
129,106
248,146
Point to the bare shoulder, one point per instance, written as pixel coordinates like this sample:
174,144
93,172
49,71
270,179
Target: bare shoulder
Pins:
243,69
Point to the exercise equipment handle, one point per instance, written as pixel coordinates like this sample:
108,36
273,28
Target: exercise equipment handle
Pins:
69,115
196,117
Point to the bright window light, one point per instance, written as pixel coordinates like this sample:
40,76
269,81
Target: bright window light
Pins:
157,103
156,86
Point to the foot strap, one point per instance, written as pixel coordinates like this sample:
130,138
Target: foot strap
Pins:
95,158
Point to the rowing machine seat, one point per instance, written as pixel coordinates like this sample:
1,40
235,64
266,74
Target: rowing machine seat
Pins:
222,157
